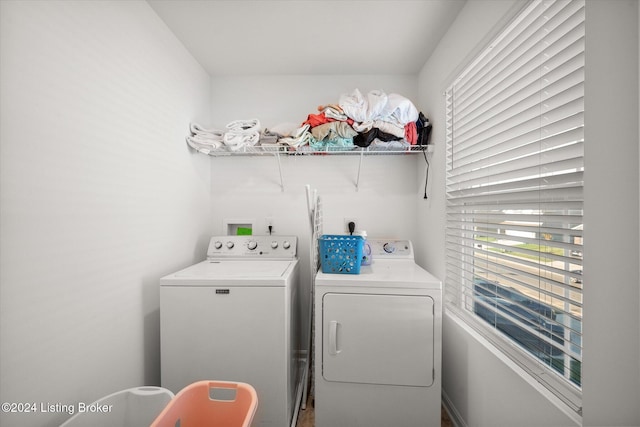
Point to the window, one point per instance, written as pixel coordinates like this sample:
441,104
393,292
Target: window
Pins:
515,120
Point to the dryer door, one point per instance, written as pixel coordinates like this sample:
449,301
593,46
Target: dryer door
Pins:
378,339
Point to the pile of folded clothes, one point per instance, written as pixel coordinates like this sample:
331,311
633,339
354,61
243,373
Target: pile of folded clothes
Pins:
204,140
378,120
237,135
242,133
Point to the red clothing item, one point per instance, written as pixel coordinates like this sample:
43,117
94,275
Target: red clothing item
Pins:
314,120
411,133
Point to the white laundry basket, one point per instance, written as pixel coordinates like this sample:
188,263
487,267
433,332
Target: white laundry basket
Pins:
134,407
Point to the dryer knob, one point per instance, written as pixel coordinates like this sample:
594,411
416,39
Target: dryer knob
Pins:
252,244
230,245
389,248
274,244
217,244
286,244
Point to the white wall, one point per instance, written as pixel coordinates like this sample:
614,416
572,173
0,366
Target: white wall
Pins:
472,372
100,196
290,98
611,367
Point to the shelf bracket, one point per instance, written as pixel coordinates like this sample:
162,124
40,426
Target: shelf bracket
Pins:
280,171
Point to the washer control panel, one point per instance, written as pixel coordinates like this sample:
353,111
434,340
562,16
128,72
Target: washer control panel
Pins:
268,247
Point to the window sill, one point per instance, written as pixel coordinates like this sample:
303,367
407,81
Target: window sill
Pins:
564,397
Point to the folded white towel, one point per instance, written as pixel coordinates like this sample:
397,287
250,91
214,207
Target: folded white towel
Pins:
197,129
203,145
241,139
251,125
205,138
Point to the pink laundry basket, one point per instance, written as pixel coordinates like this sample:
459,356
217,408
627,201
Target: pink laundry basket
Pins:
210,403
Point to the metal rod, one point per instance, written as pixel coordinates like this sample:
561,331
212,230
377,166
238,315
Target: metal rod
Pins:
280,171
359,168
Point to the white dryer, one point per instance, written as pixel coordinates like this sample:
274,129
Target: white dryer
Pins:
236,317
378,343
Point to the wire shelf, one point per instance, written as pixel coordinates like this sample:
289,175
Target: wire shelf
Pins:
260,150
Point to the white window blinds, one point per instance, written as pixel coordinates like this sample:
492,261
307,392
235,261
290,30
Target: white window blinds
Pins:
515,120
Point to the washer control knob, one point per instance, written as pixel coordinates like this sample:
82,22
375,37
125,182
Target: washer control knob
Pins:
389,248
286,244
274,244
252,244
230,244
217,244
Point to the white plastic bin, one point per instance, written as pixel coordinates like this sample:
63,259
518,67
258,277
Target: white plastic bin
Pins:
134,407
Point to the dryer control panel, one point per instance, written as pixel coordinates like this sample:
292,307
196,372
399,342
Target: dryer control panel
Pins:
243,247
391,248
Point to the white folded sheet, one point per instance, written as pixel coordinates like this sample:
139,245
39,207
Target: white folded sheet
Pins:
250,125
203,145
197,129
237,140
377,105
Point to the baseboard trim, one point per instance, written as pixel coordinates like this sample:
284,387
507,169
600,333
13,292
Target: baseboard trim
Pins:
454,415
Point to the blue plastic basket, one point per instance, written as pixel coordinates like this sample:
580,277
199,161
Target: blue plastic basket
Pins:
341,254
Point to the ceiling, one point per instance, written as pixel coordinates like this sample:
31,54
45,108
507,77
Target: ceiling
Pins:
304,37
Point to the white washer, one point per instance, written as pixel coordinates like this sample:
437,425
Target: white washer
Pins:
236,317
378,343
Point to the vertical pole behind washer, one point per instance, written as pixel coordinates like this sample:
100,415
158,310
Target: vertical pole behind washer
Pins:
359,168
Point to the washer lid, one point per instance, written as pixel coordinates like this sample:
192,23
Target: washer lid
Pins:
233,271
